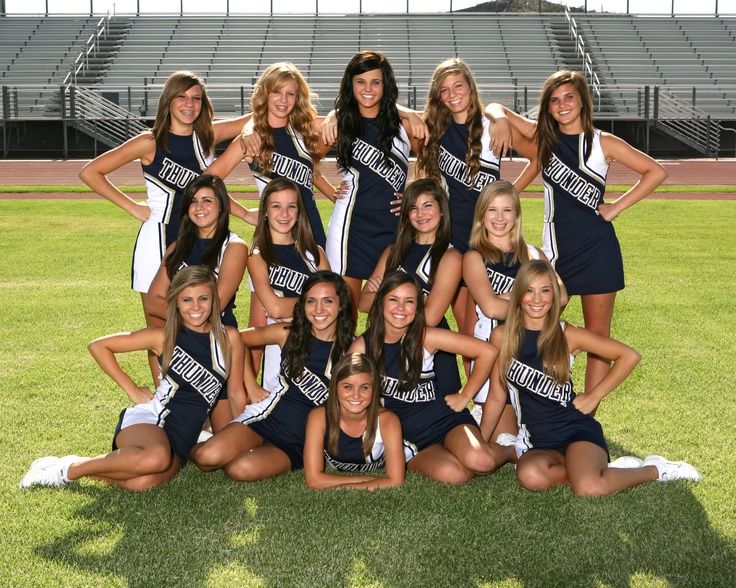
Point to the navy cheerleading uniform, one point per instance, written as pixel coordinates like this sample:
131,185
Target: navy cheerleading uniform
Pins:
425,416
287,280
350,456
290,160
580,244
463,189
185,397
418,263
545,413
166,177
195,258
362,224
501,278
281,417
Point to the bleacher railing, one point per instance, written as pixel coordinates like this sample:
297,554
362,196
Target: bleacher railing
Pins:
585,55
81,63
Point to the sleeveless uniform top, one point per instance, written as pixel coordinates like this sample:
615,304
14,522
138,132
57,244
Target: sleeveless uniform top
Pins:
464,190
281,418
287,279
195,258
291,160
425,416
418,263
350,457
544,409
195,377
579,243
167,176
362,224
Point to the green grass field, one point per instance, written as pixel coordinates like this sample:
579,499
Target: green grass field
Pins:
65,281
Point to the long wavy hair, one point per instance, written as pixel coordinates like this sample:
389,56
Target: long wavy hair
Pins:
479,238
412,343
349,122
438,119
296,346
548,130
551,345
301,232
188,231
192,276
407,233
176,84
350,365
301,119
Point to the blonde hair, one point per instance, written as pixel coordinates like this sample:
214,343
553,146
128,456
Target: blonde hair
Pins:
479,240
551,345
301,119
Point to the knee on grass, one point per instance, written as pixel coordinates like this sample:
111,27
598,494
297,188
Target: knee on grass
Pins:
242,470
154,460
209,456
534,477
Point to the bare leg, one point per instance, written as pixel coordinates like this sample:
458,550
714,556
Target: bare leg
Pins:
506,424
459,308
224,447
589,474
597,314
152,321
221,415
466,444
143,460
264,461
540,469
354,285
257,318
436,463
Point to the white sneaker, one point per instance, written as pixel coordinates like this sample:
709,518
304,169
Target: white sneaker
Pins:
626,462
506,440
672,470
477,412
47,471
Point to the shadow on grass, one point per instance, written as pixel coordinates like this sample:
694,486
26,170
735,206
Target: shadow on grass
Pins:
204,530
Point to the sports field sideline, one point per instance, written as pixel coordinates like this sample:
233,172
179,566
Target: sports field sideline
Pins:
65,281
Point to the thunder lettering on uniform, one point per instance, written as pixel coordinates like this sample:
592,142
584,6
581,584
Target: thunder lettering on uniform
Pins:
198,376
355,467
374,160
579,188
175,174
422,392
539,383
500,283
455,168
291,169
311,385
280,276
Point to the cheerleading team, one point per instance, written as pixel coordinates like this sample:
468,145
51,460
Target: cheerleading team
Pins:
445,439
559,440
458,152
267,439
153,439
352,434
579,238
178,148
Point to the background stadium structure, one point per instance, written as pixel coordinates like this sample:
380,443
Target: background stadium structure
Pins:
73,86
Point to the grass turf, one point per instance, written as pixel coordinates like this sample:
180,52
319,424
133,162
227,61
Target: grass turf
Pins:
65,282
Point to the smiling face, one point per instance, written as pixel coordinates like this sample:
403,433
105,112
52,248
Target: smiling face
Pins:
425,215
195,305
321,307
500,217
368,91
281,213
354,393
185,108
565,106
454,93
204,211
280,103
400,307
537,301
